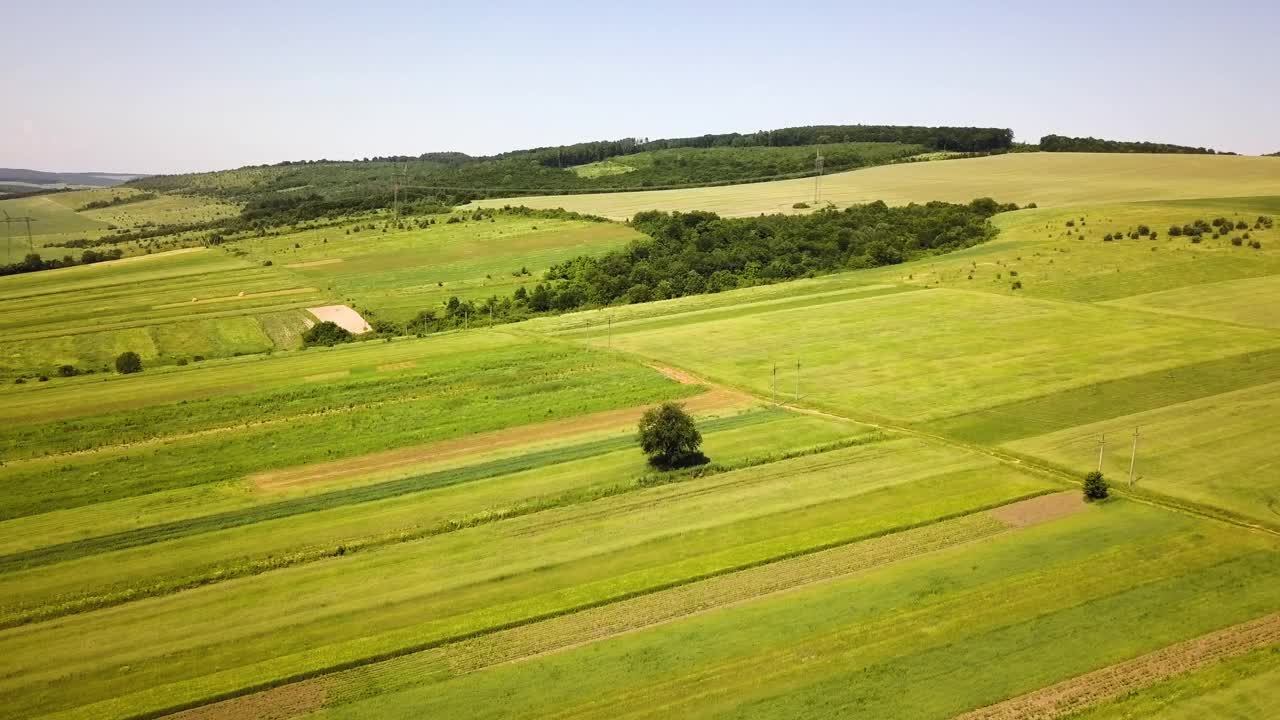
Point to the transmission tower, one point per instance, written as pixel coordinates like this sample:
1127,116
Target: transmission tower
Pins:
8,222
817,178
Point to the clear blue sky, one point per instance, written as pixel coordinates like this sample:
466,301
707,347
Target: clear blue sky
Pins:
151,86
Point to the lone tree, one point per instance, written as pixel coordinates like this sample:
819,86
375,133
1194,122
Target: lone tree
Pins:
1095,486
669,438
128,362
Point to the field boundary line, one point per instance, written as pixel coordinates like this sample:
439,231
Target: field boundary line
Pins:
1082,691
1000,528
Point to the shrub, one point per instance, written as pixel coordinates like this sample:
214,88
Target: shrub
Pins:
1175,231
1255,244
43,378
327,334
197,358
1195,239
1017,285
1219,222
1071,223
128,362
67,371
1095,486
1237,241
1143,231
182,361
1107,238
670,439
19,381
1242,225
266,263
801,206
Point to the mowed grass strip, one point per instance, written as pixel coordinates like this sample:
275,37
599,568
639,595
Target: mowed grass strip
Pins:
603,622
1069,696
342,498
96,581
415,595
1210,451
1113,398
900,641
923,356
1243,687
513,383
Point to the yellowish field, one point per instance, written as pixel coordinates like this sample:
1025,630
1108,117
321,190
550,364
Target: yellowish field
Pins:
1047,179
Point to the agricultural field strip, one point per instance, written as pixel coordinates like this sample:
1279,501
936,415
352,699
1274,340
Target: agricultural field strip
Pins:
656,533
160,322
599,623
335,498
1073,695
1112,398
25,287
753,308
78,586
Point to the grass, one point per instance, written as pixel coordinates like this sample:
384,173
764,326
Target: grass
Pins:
922,356
928,637
493,575
165,307
1244,302
1048,179
1210,450
456,395
398,273
1239,688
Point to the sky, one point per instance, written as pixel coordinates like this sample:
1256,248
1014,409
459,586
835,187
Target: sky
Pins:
177,86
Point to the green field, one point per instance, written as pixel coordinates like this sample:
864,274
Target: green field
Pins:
1047,179
462,525
399,273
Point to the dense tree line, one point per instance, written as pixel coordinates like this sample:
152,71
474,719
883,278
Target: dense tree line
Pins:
700,252
962,139
118,200
34,263
1059,143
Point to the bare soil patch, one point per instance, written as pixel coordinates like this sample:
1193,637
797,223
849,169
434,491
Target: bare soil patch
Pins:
342,316
1040,509
390,367
1075,694
388,460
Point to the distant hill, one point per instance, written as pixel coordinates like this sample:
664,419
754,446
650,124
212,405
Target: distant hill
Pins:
1060,143
17,181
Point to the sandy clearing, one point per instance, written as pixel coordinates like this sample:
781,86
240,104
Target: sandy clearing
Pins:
390,367
1040,509
315,263
1070,696
341,315
239,296
400,458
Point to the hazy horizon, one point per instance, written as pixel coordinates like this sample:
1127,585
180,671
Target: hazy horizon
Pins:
144,87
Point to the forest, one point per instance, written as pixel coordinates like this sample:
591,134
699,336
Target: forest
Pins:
693,253
1060,143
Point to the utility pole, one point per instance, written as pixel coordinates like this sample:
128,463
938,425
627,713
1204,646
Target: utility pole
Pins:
775,384
817,178
797,380
611,331
1102,444
1133,457
8,223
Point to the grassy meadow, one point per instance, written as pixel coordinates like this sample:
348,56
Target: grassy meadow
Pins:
462,525
1047,179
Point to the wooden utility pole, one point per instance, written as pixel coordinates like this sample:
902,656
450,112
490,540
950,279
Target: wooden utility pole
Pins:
1133,457
1102,444
797,380
775,384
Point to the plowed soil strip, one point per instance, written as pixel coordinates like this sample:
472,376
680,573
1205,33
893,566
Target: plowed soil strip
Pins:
1070,696
565,632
